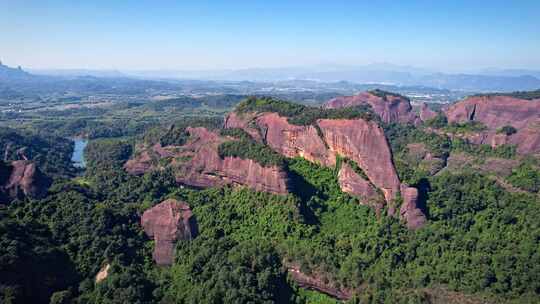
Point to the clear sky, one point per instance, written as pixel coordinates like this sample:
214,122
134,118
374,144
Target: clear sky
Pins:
160,34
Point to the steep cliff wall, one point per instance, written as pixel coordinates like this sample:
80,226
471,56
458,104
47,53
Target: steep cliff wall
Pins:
363,142
197,163
359,140
352,183
291,140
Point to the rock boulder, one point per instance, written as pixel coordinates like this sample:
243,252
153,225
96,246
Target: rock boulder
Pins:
167,222
20,179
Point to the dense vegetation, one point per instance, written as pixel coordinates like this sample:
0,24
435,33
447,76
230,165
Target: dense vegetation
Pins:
176,134
384,94
507,130
246,148
529,95
526,176
502,151
298,114
52,154
480,239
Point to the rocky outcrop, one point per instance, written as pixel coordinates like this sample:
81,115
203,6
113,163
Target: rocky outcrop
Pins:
496,112
359,140
103,273
314,282
20,179
365,143
390,108
167,222
241,121
409,210
292,140
352,183
426,113
198,164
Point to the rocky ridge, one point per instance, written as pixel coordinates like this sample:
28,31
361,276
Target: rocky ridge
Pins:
361,141
198,163
495,112
391,108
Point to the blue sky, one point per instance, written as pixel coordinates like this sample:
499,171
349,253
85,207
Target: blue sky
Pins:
159,34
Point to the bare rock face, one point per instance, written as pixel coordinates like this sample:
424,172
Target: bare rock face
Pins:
292,140
198,164
207,169
409,210
352,183
362,141
166,223
20,179
235,120
498,111
426,113
391,108
365,143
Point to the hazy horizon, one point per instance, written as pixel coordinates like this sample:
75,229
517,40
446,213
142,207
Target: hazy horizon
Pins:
144,35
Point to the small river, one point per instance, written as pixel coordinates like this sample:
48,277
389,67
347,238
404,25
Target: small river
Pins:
78,153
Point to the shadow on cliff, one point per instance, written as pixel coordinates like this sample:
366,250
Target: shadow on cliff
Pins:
306,191
424,187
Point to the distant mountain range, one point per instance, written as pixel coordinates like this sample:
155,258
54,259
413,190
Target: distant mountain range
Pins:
481,81
488,80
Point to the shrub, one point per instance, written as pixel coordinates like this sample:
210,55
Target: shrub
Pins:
249,149
526,177
508,130
384,94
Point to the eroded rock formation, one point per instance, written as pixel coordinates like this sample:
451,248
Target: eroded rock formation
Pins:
359,140
426,113
291,140
496,112
20,179
391,108
365,143
409,210
352,183
198,164
167,222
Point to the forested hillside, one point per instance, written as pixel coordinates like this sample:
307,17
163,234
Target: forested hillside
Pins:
480,242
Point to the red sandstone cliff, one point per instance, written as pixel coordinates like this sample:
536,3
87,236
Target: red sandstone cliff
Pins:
354,184
166,223
22,178
498,111
365,143
291,140
198,164
391,108
361,141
